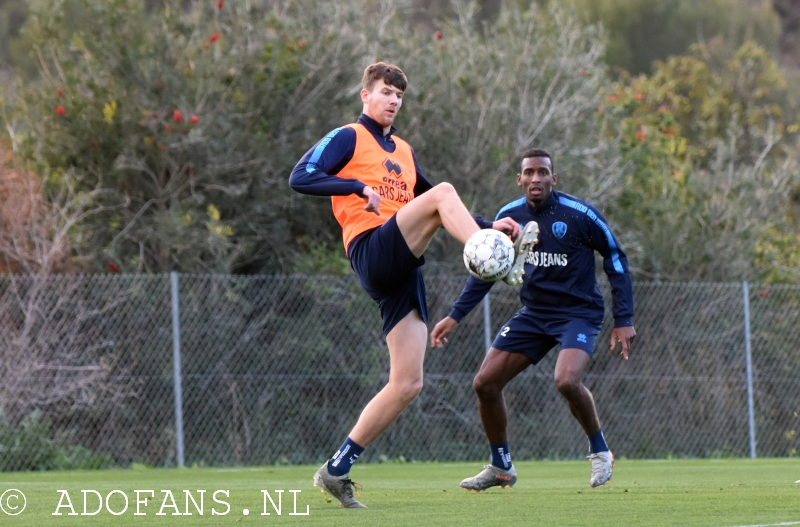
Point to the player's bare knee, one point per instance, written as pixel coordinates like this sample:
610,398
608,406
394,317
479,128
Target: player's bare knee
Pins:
409,389
445,191
485,388
568,386
415,387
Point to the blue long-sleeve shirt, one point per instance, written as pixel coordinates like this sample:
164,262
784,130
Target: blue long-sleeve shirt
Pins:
559,279
315,173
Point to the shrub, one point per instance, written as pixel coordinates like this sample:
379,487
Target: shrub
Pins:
30,446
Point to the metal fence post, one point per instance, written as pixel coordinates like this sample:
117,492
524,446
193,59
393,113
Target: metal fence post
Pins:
487,324
749,365
176,366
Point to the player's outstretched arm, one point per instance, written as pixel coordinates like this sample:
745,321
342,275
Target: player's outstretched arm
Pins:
316,173
441,330
623,335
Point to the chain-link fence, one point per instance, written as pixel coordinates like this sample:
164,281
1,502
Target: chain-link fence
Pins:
277,369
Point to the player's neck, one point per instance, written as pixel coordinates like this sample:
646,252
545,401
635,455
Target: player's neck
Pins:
384,129
538,205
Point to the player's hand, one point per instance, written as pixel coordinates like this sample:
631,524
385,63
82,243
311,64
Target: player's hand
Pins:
441,330
508,226
625,337
372,199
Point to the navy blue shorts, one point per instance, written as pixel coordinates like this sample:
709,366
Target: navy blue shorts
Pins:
534,336
389,273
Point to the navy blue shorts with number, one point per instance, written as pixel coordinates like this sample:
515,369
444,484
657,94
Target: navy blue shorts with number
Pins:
389,273
534,336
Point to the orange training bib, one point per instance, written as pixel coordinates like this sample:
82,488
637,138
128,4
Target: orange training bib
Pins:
393,176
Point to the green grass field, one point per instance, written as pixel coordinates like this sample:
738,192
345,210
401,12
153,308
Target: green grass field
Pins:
712,493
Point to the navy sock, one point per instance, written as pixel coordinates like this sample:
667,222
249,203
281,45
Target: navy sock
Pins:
501,456
597,443
343,459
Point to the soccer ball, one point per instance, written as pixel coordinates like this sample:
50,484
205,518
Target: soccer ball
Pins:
489,255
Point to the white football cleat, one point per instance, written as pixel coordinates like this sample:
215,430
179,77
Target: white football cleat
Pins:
524,244
602,463
491,476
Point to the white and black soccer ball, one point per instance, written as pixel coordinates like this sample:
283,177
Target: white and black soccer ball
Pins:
489,255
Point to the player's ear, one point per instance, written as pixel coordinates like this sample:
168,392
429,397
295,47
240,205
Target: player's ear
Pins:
519,180
364,95
555,179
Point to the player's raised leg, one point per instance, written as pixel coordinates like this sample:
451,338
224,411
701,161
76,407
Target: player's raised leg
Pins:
570,368
498,368
440,206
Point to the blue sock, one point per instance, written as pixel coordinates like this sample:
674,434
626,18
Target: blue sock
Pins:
501,456
343,459
597,443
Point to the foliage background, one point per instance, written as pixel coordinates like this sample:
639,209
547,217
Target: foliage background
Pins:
146,137
163,133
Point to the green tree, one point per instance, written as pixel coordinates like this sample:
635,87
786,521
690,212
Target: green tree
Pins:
708,142
186,116
482,97
643,31
12,16
116,97
710,93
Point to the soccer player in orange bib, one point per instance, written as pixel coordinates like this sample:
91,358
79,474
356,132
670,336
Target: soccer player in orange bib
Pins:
389,213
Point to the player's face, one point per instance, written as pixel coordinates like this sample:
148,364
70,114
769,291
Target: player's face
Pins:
382,102
537,179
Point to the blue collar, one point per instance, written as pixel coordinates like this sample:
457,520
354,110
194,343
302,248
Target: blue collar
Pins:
550,202
375,128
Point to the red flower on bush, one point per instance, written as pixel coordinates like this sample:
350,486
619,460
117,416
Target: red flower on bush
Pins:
60,110
220,4
214,37
640,135
194,119
113,267
177,116
638,96
59,92
438,35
